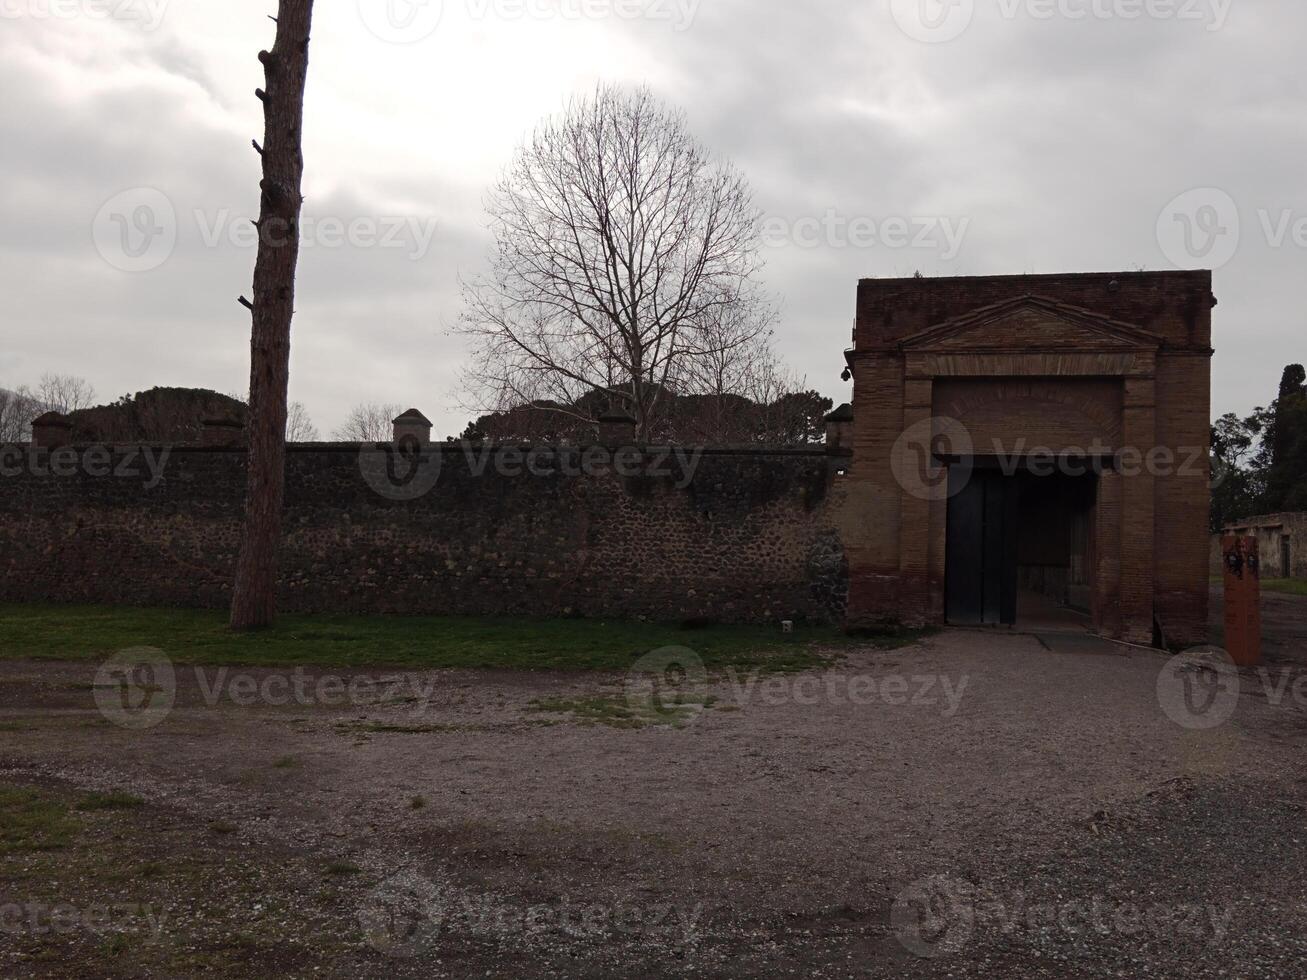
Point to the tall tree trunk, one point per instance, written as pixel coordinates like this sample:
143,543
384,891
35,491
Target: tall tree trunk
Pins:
285,68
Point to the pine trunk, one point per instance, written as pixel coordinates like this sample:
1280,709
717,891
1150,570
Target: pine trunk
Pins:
285,68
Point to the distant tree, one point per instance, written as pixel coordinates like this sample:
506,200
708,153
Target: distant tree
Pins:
64,393
1260,462
1236,488
17,410
623,253
369,422
1286,444
299,427
538,423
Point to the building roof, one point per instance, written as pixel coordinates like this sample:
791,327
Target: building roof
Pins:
413,415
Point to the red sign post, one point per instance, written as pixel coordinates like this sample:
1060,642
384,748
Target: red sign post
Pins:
1243,598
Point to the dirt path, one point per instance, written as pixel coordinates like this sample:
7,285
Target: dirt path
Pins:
1284,625
473,823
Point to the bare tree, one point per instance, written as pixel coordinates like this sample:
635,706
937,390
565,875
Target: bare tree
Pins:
17,410
64,393
285,70
618,243
369,422
299,427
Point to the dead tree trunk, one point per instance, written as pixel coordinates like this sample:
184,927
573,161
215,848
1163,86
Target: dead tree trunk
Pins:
285,68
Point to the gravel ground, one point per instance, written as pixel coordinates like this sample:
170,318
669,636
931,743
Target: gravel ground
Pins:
977,805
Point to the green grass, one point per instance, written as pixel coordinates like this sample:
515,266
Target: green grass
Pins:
1288,586
619,712
32,821
110,801
191,636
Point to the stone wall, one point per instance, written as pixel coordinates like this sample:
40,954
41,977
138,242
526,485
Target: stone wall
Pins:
1271,530
735,535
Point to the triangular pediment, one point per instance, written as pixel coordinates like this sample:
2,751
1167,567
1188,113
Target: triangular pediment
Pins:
1031,323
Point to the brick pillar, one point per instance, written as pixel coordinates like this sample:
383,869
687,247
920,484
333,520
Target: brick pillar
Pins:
870,525
914,533
1138,501
1106,599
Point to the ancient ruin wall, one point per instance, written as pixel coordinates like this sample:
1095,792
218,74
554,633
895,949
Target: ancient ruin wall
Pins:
734,535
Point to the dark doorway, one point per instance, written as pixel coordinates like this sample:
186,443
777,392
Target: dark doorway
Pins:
1286,558
1018,545
980,558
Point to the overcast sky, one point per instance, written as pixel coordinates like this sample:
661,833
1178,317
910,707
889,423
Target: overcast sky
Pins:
882,136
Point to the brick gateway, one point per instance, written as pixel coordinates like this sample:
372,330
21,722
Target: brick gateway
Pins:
1016,437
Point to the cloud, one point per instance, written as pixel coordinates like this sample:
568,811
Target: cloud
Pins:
1059,141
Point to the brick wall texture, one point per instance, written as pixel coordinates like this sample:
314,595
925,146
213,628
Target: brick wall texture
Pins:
748,538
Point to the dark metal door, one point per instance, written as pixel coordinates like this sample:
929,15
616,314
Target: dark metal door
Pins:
980,559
